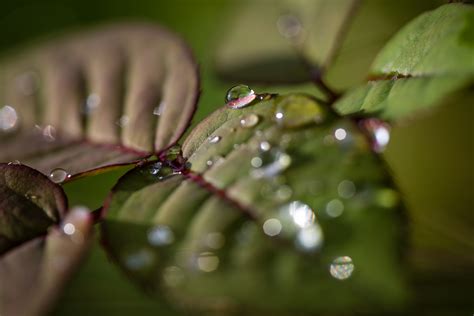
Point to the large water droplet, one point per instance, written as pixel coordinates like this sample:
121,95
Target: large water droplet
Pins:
8,119
379,131
160,235
341,268
270,163
214,139
239,96
249,120
58,175
297,110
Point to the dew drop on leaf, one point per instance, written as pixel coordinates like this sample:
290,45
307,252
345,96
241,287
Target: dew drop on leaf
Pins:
341,268
270,163
239,96
249,120
214,139
8,119
14,162
59,175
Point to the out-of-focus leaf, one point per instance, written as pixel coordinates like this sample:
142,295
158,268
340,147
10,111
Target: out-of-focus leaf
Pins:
29,204
281,198
266,42
428,60
97,98
33,275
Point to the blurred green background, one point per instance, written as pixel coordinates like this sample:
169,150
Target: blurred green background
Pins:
430,155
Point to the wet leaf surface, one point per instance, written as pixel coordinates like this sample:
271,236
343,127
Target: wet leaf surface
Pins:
429,60
97,98
29,204
34,274
281,197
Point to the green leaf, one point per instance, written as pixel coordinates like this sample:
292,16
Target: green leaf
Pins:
97,98
265,43
278,196
29,204
427,61
34,274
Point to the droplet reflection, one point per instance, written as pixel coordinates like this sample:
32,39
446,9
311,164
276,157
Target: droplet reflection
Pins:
58,175
341,268
239,96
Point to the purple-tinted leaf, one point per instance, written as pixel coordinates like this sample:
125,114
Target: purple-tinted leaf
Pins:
29,204
33,275
97,98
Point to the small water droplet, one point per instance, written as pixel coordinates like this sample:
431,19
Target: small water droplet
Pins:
272,227
8,119
249,120
92,102
155,168
346,189
14,162
379,131
297,110
239,96
334,208
160,235
342,267
270,163
340,134
58,175
31,196
215,161
265,146
289,26
123,121
158,110
69,229
207,262
214,139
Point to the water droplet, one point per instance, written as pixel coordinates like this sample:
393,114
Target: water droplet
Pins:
309,238
31,196
340,134
265,146
270,163
140,259
289,26
346,189
8,119
123,121
69,229
301,214
214,139
155,168
215,240
207,262
297,110
14,162
158,110
173,276
214,161
272,227
239,96
341,268
27,83
249,120
334,208
48,132
379,131
160,235
58,175
92,102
